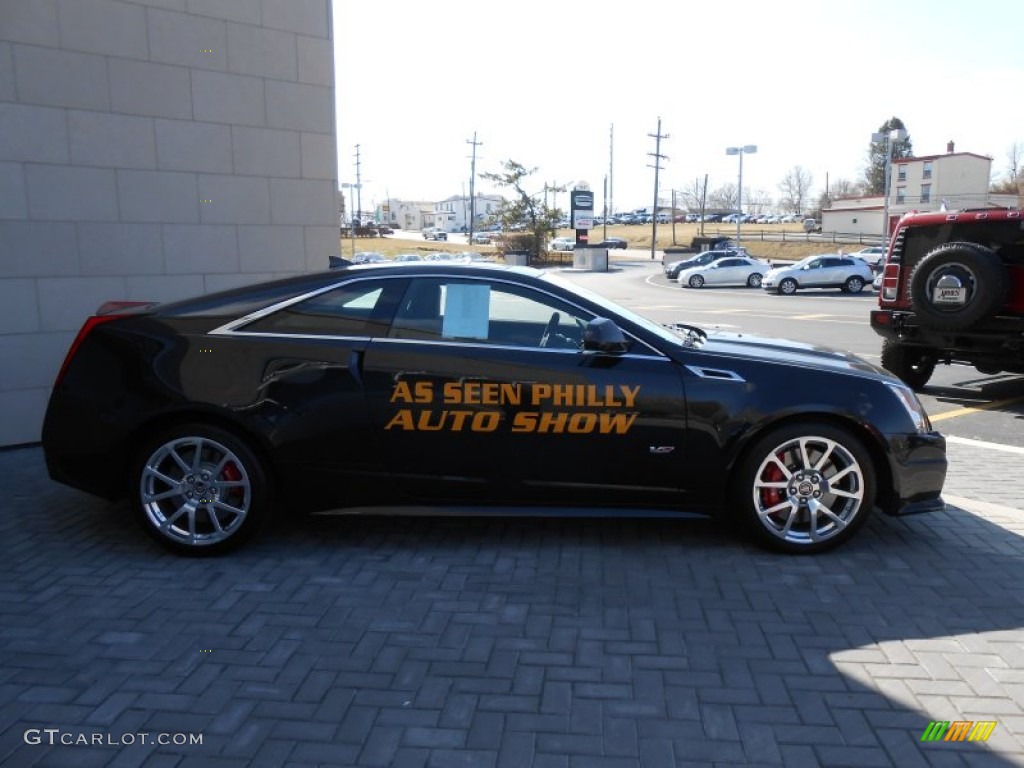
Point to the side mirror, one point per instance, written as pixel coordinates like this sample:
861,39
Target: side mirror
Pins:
602,335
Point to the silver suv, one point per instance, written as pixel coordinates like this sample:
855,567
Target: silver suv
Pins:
829,270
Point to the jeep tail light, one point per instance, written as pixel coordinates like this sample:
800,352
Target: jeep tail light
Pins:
890,283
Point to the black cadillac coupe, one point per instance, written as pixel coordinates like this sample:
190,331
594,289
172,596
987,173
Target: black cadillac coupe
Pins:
473,388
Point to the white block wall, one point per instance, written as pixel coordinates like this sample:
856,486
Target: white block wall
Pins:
153,149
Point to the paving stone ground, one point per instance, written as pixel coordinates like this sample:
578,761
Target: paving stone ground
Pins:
509,643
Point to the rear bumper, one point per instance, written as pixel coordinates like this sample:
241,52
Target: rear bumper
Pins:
998,343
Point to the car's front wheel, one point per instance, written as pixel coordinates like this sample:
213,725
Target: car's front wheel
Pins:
696,281
805,488
199,489
788,286
914,365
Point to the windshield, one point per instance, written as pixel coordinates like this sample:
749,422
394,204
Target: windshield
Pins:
666,334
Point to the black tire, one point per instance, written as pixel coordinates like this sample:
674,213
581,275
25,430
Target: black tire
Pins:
199,490
973,269
788,286
754,280
696,281
854,284
914,365
779,500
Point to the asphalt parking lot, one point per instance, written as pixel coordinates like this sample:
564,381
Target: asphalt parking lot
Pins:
454,642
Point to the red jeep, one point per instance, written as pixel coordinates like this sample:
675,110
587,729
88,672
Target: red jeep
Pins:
953,292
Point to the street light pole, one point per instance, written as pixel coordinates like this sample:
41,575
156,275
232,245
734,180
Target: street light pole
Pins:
747,149
887,137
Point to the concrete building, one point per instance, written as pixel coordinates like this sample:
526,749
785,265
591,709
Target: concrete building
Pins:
954,180
153,149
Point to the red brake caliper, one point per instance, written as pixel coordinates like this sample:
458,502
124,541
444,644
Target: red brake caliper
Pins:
772,474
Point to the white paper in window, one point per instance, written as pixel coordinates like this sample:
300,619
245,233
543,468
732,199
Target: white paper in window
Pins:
466,311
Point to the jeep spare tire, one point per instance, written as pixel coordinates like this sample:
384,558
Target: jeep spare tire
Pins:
957,285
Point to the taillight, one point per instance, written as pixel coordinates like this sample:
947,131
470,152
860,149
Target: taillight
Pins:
110,310
890,283
87,327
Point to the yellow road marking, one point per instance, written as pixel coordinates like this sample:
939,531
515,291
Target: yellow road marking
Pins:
975,409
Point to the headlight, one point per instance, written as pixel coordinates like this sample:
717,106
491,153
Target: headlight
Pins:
914,408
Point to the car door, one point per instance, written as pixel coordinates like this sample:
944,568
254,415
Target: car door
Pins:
305,360
817,273
482,391
725,271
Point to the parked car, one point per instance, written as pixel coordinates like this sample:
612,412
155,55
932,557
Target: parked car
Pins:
673,268
481,238
407,257
368,257
732,270
416,384
611,243
812,225
563,244
874,256
830,270
435,233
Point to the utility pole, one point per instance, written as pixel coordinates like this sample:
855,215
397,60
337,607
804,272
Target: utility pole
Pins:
604,218
658,157
611,172
359,191
472,186
673,215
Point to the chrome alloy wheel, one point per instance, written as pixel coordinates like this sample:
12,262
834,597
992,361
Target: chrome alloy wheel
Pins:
195,491
808,490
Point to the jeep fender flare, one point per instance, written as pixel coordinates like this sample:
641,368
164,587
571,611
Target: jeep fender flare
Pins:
958,284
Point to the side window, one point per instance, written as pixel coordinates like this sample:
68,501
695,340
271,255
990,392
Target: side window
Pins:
359,308
481,311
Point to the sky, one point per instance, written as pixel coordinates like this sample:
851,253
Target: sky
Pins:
544,82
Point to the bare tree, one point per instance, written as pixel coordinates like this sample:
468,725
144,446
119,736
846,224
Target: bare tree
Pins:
757,201
1011,183
795,189
845,188
725,197
691,196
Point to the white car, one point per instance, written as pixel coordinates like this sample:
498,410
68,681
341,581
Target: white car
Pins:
563,244
874,256
829,270
733,270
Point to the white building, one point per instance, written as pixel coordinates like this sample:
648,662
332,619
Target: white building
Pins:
954,180
452,214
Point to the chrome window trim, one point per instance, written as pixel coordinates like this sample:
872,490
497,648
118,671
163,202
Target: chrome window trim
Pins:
229,328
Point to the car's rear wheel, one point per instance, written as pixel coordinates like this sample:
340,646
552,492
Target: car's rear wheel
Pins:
754,281
696,281
805,488
788,286
200,490
854,284
914,365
